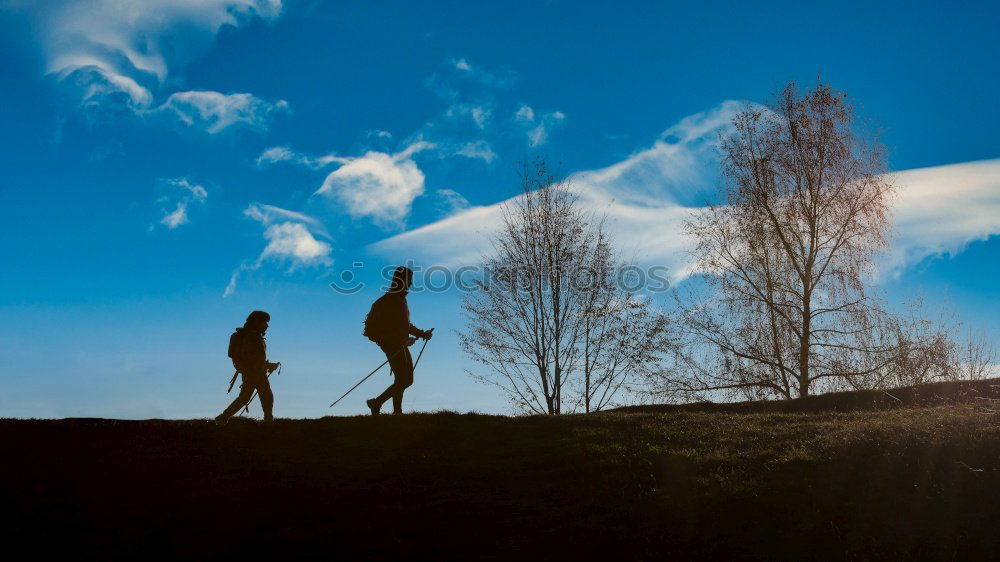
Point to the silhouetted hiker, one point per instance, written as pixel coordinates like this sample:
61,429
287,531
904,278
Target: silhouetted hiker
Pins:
249,354
388,325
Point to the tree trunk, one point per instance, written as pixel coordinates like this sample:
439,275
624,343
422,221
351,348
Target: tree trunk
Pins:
804,349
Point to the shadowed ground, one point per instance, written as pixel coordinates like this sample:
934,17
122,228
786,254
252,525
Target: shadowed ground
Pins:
919,482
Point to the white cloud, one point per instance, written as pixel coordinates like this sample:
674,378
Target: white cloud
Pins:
177,217
269,214
525,114
214,111
198,192
462,70
451,201
291,239
97,84
647,196
479,115
942,209
478,149
125,50
378,185
641,198
191,193
277,154
456,240
537,130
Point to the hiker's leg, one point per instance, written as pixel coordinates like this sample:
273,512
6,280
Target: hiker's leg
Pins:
266,396
403,370
246,391
388,392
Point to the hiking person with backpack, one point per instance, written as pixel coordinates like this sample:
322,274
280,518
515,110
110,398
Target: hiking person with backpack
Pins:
248,351
388,325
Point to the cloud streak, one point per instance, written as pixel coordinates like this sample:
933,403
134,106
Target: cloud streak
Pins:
940,210
278,154
640,197
646,198
213,111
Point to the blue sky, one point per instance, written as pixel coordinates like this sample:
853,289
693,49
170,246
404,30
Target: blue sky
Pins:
170,166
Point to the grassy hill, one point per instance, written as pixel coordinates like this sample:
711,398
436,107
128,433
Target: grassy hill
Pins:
921,395
919,482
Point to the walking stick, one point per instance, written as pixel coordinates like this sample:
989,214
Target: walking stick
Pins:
419,355
379,367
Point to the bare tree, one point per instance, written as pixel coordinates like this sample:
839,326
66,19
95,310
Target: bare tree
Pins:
976,358
933,349
552,327
622,333
786,255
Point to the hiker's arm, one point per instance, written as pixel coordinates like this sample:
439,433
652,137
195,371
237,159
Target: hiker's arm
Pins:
415,331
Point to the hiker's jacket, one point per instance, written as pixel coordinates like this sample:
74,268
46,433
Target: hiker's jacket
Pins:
394,319
253,351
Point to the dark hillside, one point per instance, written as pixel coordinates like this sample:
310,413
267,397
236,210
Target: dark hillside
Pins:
913,483
923,395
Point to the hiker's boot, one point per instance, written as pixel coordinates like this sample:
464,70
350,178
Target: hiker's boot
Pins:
374,406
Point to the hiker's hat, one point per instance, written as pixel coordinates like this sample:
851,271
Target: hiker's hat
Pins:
258,315
402,278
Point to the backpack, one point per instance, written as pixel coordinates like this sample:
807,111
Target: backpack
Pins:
236,346
374,324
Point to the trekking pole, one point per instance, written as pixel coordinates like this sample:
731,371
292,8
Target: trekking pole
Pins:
232,381
375,371
419,355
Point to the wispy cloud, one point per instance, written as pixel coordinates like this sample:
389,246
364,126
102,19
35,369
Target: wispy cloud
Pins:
291,239
214,112
451,201
647,196
278,154
475,96
480,149
123,51
641,197
537,129
378,185
176,217
190,193
496,79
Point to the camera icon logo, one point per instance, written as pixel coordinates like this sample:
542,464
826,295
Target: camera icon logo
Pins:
346,283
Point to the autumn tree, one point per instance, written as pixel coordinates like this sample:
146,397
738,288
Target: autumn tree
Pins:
786,254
